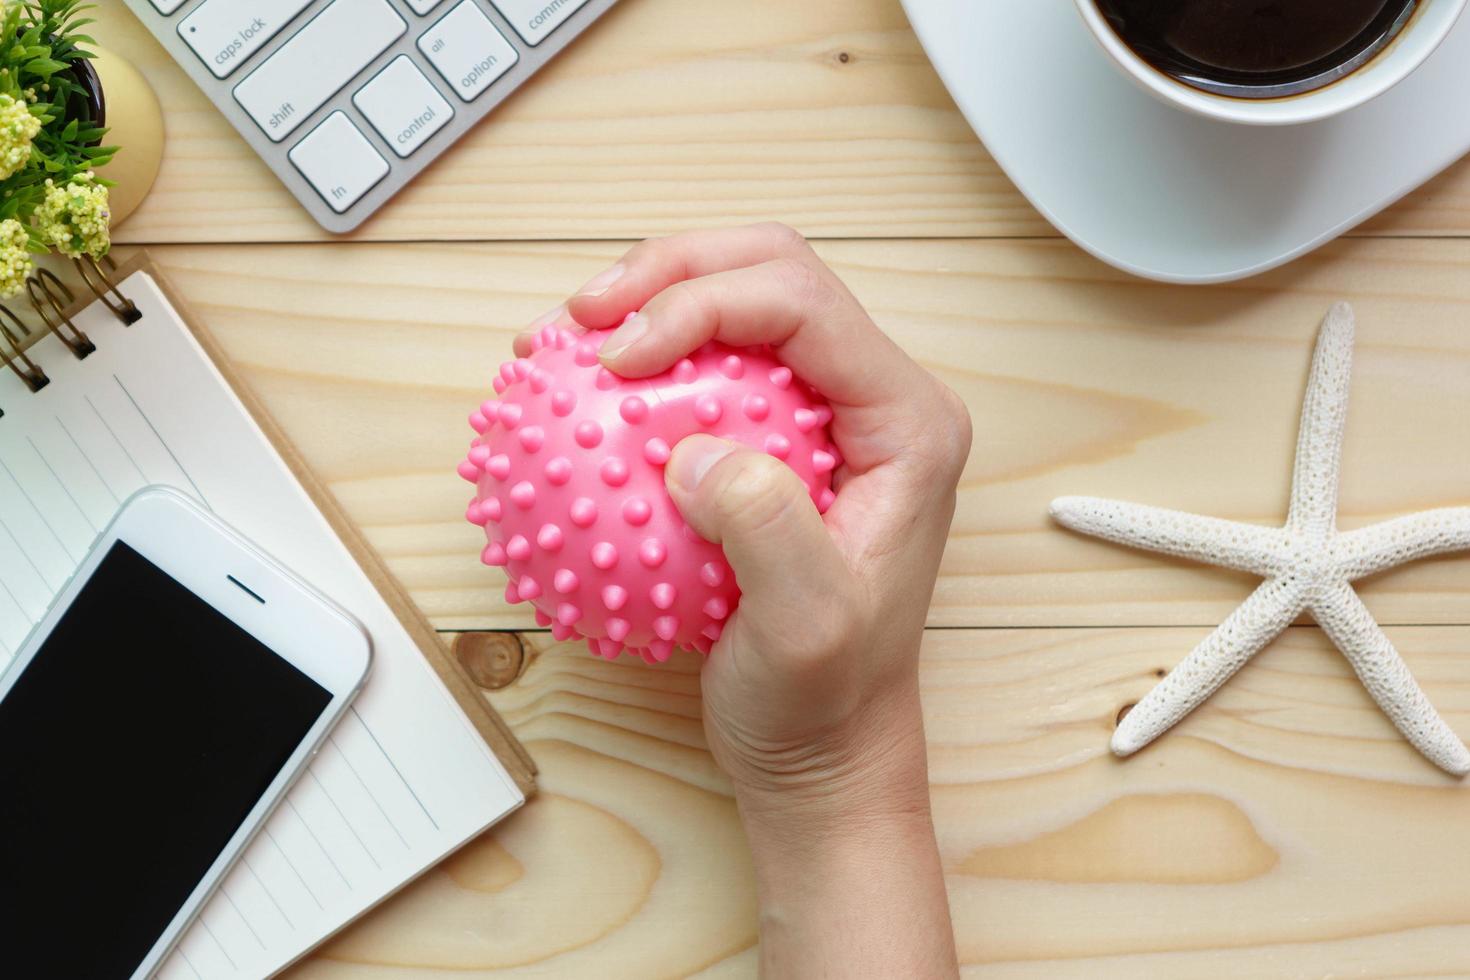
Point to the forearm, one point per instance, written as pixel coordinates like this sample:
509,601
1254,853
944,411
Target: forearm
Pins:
851,885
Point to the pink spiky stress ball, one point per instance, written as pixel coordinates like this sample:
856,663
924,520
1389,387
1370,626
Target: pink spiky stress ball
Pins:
568,468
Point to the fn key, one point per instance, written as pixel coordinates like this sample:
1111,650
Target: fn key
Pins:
339,162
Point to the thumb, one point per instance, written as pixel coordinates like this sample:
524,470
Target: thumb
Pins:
757,508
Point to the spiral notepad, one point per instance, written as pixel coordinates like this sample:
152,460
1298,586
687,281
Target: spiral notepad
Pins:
124,393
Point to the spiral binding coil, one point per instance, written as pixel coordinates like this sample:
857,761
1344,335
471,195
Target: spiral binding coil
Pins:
43,288
105,289
51,298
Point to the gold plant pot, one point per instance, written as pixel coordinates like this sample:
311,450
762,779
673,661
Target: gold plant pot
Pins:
124,102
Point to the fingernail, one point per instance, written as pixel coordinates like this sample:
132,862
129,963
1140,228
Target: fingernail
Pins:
540,323
633,330
694,457
601,282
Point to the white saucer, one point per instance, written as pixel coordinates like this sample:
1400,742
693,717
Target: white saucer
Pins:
1163,194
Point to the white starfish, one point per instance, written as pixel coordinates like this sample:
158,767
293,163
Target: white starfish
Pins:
1308,566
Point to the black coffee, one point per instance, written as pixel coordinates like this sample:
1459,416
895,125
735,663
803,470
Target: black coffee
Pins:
1257,48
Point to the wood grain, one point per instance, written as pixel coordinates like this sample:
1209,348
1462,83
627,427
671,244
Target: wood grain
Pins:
492,660
667,114
1079,379
1284,829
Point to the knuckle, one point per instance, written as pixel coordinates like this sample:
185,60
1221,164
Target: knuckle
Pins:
755,492
783,237
938,458
956,430
685,301
803,283
651,252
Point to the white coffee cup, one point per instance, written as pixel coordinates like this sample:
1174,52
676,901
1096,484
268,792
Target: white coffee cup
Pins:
1429,25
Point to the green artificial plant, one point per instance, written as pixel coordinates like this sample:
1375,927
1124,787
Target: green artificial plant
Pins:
50,196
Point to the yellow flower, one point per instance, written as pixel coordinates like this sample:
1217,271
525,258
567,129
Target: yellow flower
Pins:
17,129
74,218
15,259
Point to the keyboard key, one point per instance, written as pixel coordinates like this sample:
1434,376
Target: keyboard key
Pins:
339,161
423,6
467,50
167,7
322,57
534,19
224,35
403,106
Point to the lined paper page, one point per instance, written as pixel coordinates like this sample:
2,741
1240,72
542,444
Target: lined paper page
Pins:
404,780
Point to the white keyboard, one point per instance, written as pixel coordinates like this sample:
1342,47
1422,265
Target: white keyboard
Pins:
347,100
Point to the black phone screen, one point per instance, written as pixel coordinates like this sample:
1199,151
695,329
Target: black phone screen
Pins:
132,748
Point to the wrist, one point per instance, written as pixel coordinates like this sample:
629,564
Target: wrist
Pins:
848,873
810,854
868,782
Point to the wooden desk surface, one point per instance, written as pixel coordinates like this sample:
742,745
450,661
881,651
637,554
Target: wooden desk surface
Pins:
1284,829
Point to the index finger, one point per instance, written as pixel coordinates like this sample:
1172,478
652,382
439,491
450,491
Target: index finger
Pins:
816,328
652,266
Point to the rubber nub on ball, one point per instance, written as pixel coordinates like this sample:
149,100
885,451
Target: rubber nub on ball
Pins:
568,466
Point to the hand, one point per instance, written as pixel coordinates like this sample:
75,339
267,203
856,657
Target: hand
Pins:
811,694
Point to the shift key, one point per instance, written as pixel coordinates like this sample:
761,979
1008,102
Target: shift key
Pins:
225,33
312,66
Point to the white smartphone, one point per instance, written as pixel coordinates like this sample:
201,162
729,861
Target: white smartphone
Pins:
176,687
